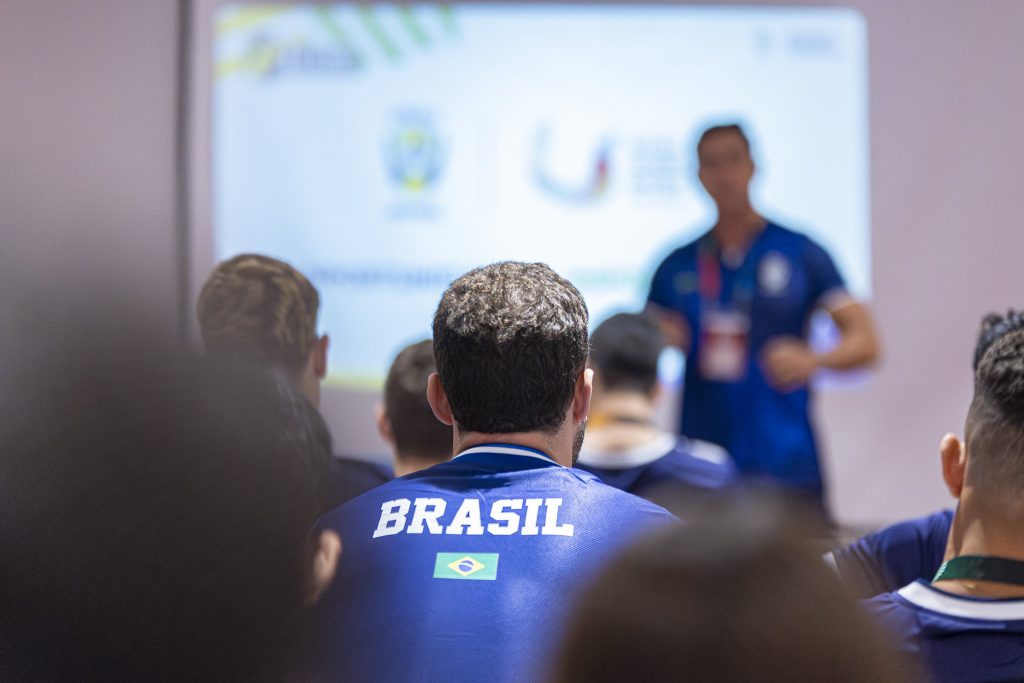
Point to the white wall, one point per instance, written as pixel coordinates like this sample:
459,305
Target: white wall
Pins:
87,149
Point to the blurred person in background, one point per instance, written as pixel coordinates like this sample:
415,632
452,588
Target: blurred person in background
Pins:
155,511
736,594
967,622
624,446
466,570
738,301
405,421
263,311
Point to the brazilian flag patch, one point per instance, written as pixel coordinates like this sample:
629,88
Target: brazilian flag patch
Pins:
469,566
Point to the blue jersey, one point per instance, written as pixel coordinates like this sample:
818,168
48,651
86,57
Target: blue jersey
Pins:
785,276
957,638
894,556
468,570
663,463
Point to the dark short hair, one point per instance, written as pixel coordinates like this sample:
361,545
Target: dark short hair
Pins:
995,420
510,341
261,309
155,516
416,431
719,129
994,326
734,595
624,352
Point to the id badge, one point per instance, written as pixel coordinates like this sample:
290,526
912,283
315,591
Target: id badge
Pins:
724,345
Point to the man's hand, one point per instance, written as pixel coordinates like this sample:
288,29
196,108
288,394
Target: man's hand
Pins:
788,363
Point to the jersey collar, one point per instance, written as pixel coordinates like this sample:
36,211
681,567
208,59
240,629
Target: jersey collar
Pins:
927,596
644,454
509,450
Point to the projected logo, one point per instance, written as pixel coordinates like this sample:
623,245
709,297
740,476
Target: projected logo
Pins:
267,58
414,152
571,173
269,41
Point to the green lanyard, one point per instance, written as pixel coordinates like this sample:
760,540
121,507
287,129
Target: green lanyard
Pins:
981,568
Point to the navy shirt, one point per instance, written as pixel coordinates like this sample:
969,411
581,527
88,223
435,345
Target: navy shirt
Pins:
894,556
351,477
468,570
664,462
766,431
956,638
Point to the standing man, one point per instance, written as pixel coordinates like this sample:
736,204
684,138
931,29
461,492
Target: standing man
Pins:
738,301
466,571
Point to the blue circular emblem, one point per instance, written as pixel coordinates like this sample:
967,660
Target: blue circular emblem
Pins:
466,566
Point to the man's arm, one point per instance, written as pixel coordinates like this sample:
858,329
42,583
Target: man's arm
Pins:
790,362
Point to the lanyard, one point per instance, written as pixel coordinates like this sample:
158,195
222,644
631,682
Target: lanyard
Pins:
982,568
709,274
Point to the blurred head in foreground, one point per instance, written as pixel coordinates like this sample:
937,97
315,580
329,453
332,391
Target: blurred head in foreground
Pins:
155,513
417,438
262,310
734,596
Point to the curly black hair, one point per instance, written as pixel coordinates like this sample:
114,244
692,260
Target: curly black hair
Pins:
510,341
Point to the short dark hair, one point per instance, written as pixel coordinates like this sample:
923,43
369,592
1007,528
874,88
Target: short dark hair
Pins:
994,326
995,420
261,309
416,431
624,352
510,341
733,595
718,129
155,516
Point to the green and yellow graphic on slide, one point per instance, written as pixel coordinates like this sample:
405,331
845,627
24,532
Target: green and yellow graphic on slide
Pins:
355,32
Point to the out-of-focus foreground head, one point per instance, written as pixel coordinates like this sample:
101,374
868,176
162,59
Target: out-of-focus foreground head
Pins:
262,310
736,595
624,352
417,437
155,512
510,341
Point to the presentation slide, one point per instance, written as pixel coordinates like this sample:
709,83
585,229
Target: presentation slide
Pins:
386,149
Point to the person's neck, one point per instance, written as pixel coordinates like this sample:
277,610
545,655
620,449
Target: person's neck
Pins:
987,534
737,227
620,420
550,444
407,463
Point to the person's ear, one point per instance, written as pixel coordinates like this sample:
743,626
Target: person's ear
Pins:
582,393
384,424
954,463
438,400
320,356
325,564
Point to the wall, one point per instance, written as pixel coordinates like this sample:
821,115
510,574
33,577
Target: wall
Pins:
87,168
87,149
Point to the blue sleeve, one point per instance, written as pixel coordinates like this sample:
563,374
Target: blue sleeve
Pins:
822,274
662,290
895,556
